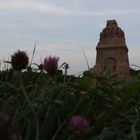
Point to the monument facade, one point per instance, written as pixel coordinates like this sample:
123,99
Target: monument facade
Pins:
112,52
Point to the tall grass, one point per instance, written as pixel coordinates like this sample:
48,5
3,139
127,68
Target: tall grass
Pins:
42,105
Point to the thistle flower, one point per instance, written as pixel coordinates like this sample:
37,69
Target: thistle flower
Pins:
51,64
7,126
79,125
19,60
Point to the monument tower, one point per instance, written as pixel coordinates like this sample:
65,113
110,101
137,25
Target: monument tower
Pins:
112,52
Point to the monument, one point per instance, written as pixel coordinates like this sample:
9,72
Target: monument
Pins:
112,52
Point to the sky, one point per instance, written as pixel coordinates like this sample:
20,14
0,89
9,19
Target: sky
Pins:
64,27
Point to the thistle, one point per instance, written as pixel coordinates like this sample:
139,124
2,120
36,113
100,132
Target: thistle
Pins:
51,64
19,60
7,126
79,125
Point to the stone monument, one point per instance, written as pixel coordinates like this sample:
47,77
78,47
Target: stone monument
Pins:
112,52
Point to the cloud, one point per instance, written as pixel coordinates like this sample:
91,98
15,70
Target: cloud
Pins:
30,5
51,7
63,27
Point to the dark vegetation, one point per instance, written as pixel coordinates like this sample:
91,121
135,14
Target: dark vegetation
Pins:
45,103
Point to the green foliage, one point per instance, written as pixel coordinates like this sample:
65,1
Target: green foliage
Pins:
42,105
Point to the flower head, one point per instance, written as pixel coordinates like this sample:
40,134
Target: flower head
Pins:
79,125
8,129
19,60
51,64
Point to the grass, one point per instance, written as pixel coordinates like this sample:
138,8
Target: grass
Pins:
41,105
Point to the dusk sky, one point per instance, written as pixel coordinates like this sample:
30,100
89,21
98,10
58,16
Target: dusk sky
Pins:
64,27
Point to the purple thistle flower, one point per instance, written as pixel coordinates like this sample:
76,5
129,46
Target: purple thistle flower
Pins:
51,64
79,125
8,129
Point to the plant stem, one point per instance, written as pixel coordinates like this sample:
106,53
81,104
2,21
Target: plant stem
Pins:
57,131
33,110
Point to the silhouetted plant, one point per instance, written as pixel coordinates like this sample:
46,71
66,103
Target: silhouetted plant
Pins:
51,64
19,60
44,107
